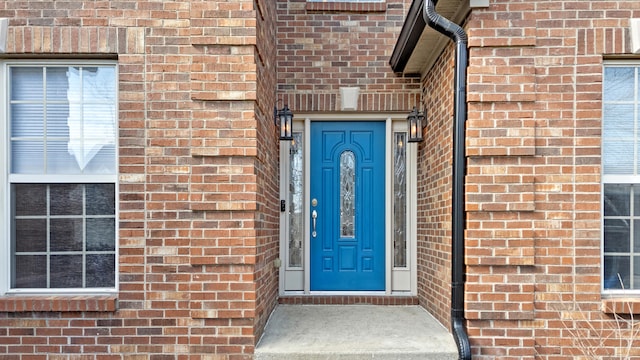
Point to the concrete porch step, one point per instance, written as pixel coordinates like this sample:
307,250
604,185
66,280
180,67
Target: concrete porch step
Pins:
354,332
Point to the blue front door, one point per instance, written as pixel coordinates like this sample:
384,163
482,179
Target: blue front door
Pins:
347,206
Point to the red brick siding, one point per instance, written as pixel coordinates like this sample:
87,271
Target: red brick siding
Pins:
435,157
320,51
198,179
533,183
267,170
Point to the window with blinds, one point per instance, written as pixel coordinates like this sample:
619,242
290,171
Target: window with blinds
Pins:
62,175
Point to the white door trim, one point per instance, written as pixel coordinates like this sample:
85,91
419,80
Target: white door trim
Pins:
397,281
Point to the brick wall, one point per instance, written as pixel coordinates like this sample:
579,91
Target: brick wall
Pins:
533,183
435,156
322,47
197,185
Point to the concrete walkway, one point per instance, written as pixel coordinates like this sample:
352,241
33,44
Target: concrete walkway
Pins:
353,332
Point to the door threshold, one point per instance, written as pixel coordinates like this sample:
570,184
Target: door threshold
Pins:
348,299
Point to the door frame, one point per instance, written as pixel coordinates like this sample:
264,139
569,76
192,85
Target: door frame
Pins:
398,281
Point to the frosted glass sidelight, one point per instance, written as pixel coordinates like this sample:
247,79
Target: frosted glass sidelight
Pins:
347,194
296,218
399,200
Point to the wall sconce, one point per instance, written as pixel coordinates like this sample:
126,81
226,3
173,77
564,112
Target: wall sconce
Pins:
416,123
284,119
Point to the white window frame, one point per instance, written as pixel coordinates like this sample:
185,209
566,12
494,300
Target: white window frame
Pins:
608,179
6,180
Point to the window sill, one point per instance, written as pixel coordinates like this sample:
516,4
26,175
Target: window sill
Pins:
58,303
347,6
621,306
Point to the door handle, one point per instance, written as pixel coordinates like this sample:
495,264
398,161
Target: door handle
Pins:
314,216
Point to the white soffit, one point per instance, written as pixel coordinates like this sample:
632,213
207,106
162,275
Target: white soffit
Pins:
431,42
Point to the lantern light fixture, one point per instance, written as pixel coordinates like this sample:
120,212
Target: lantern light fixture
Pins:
284,119
416,123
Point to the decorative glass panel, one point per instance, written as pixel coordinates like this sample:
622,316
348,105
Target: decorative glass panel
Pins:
347,194
296,218
400,200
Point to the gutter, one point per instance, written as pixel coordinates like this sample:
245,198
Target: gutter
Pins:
458,35
408,37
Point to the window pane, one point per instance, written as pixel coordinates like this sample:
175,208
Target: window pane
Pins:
102,162
92,117
618,121
66,234
57,127
101,234
99,122
66,271
99,84
347,194
618,83
27,157
66,199
296,219
57,83
31,235
636,236
617,156
30,271
63,231
80,120
100,270
400,200
616,235
635,281
30,199
616,268
59,161
617,199
26,83
101,199
27,120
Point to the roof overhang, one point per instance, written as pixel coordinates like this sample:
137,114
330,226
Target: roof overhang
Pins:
418,45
